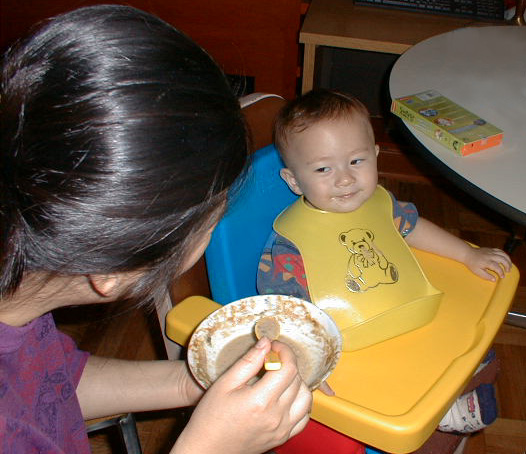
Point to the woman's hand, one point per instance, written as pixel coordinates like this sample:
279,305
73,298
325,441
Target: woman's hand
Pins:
236,417
483,260
191,391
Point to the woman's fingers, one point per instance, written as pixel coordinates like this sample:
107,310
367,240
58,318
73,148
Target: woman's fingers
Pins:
285,380
302,423
248,366
301,405
268,411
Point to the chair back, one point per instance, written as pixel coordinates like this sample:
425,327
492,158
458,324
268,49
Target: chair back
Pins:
233,255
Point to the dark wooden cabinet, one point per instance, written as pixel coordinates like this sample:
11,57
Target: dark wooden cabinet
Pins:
251,38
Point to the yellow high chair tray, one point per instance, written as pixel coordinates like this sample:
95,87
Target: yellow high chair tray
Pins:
392,395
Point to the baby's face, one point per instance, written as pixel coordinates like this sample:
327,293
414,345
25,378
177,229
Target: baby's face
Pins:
333,164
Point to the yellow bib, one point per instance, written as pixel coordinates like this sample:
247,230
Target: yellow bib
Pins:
360,270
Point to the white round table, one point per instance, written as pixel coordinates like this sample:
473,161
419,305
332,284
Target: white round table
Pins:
484,70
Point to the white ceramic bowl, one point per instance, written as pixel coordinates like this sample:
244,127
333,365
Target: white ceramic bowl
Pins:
226,334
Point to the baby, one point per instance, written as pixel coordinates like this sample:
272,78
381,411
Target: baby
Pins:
327,143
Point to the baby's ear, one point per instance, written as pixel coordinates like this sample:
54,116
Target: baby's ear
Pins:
104,284
377,149
290,179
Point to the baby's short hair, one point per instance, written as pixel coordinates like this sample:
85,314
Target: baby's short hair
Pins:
312,107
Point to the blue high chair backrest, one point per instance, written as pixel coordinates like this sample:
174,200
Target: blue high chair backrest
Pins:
237,242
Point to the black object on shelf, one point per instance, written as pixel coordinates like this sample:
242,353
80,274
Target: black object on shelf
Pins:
474,9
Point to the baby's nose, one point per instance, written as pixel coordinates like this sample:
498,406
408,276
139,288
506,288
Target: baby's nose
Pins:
344,178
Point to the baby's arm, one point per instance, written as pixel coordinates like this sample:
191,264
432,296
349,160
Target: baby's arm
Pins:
429,237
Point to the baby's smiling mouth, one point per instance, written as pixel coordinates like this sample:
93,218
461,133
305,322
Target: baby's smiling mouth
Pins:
348,195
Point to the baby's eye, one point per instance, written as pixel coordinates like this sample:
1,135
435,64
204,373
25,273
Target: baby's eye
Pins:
356,161
323,169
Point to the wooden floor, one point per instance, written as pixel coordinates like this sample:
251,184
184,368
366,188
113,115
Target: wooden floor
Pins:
134,334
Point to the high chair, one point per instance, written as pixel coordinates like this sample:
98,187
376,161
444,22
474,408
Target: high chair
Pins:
126,426
391,395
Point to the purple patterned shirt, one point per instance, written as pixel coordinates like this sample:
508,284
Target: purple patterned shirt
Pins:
40,369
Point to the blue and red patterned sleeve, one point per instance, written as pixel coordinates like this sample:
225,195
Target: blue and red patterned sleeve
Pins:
405,216
281,270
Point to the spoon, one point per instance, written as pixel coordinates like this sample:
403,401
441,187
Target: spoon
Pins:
269,327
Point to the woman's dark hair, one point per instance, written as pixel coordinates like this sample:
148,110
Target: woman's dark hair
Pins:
120,137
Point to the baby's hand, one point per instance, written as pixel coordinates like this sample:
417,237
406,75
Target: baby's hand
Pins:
483,260
326,389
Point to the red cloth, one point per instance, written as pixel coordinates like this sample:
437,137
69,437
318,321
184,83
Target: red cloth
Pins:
318,438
